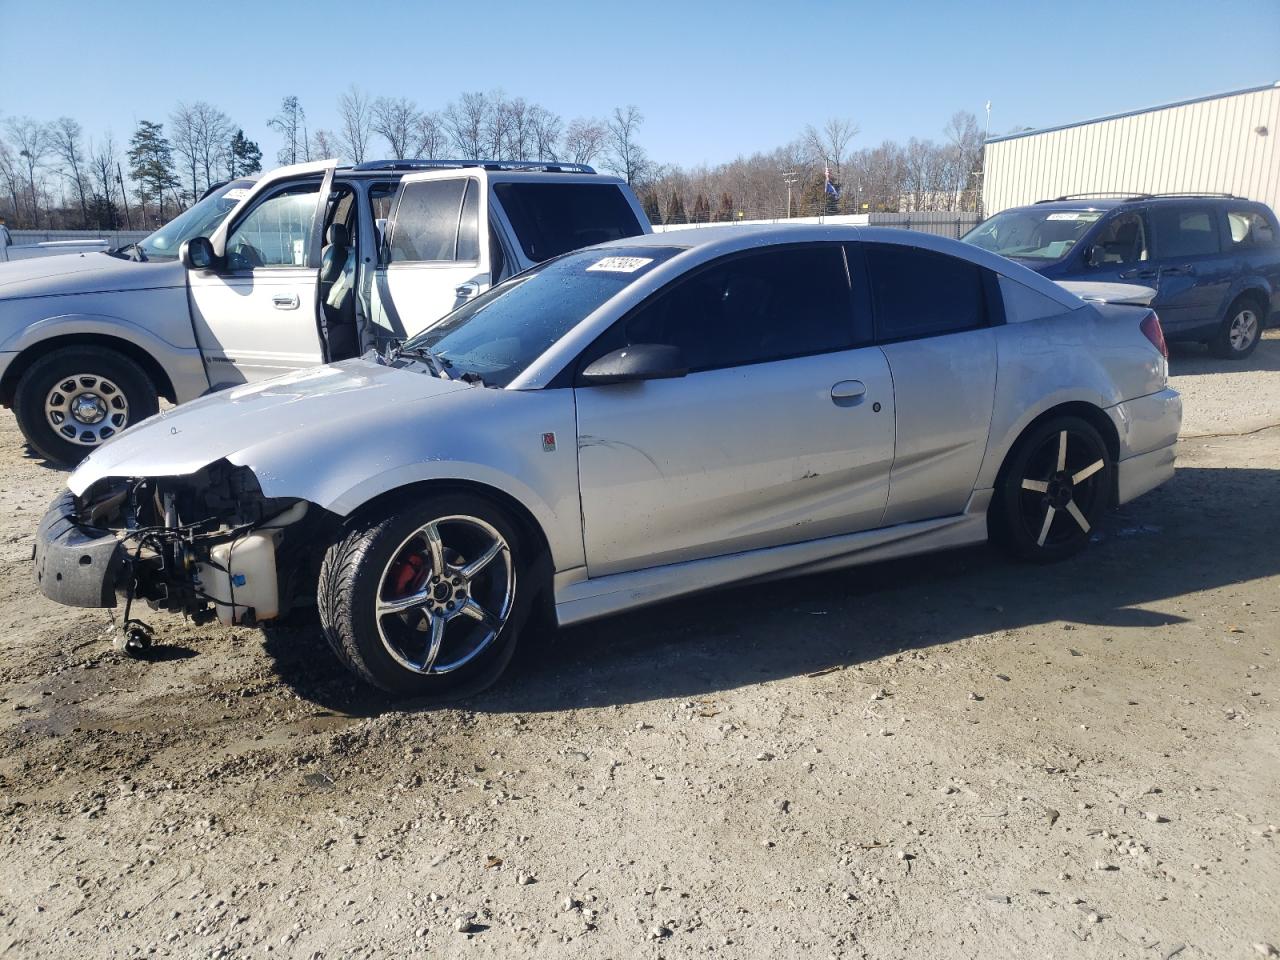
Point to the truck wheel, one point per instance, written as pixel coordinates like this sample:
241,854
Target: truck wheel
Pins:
1240,331
72,400
428,601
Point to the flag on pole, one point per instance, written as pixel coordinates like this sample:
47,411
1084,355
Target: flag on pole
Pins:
832,188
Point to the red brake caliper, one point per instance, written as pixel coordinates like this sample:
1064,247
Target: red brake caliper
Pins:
408,576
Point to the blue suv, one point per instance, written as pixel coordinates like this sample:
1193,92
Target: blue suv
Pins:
1213,259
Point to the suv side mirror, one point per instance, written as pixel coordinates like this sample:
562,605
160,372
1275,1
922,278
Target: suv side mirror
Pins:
197,254
640,361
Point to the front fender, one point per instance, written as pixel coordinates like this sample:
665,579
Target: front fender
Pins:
499,439
180,360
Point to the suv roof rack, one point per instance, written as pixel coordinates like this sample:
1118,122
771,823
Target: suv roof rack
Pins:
1133,195
543,166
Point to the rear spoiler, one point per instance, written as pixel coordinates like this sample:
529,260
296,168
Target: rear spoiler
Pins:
1096,292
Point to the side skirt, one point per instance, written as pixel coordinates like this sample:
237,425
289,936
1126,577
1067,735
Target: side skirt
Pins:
589,598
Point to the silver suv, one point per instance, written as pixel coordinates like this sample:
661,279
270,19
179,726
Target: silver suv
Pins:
310,263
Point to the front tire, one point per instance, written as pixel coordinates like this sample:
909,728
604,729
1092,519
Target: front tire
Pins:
1240,331
430,600
75,398
1055,487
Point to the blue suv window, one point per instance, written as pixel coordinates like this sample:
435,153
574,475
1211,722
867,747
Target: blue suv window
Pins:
1184,231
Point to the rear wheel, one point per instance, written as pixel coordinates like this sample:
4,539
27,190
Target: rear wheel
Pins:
76,398
1240,331
1054,489
430,600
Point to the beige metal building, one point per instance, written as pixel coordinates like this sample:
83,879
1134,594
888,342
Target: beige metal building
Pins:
1226,143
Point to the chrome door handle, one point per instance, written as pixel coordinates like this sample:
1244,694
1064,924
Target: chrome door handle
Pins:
465,291
848,392
286,303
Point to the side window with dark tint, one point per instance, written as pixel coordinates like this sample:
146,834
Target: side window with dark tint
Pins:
1184,231
553,218
919,293
426,226
750,308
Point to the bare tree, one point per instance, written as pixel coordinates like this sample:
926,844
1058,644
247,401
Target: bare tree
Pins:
465,120
11,173
324,143
396,121
290,122
429,136
185,137
544,128
497,125
214,129
30,141
584,140
626,156
104,162
356,112
67,138
830,144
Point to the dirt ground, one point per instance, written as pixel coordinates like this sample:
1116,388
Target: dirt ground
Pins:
954,756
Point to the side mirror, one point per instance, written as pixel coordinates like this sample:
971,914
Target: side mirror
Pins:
640,361
197,254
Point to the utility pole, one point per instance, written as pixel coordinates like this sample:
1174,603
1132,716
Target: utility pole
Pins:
789,178
124,195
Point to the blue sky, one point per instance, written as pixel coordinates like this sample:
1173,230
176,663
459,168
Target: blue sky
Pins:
714,80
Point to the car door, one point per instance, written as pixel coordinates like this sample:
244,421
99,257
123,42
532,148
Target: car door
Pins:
1194,274
433,259
1120,251
782,431
933,319
255,313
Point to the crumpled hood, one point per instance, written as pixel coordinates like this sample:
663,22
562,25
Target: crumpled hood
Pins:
73,273
243,423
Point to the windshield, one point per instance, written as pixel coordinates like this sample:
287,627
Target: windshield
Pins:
499,334
198,221
1032,234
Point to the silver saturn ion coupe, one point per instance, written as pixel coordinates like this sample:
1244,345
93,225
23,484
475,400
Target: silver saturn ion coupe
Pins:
625,424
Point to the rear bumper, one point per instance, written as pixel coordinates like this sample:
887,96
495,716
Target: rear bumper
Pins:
1147,423
1144,472
1148,429
75,565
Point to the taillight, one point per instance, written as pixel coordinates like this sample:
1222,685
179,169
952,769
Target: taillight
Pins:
1150,327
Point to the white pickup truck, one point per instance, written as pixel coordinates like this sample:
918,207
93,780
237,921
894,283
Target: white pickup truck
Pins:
308,264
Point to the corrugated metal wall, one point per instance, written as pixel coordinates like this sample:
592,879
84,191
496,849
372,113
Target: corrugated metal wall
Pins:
1211,145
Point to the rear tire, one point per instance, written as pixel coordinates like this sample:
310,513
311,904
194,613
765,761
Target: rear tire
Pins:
1240,331
1053,490
462,634
73,399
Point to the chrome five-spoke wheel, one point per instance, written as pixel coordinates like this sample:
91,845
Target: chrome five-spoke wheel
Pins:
445,594
86,408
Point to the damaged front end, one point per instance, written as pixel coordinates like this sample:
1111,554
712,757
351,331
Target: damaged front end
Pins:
206,545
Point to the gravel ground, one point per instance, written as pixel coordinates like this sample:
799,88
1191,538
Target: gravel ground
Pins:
1220,396
951,756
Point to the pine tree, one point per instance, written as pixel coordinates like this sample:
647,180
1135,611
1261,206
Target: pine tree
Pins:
675,210
701,209
243,156
151,163
724,212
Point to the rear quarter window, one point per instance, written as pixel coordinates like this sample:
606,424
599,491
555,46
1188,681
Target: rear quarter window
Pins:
1249,229
553,218
919,293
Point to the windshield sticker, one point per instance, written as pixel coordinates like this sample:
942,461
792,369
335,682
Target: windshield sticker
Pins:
237,193
1087,217
620,264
